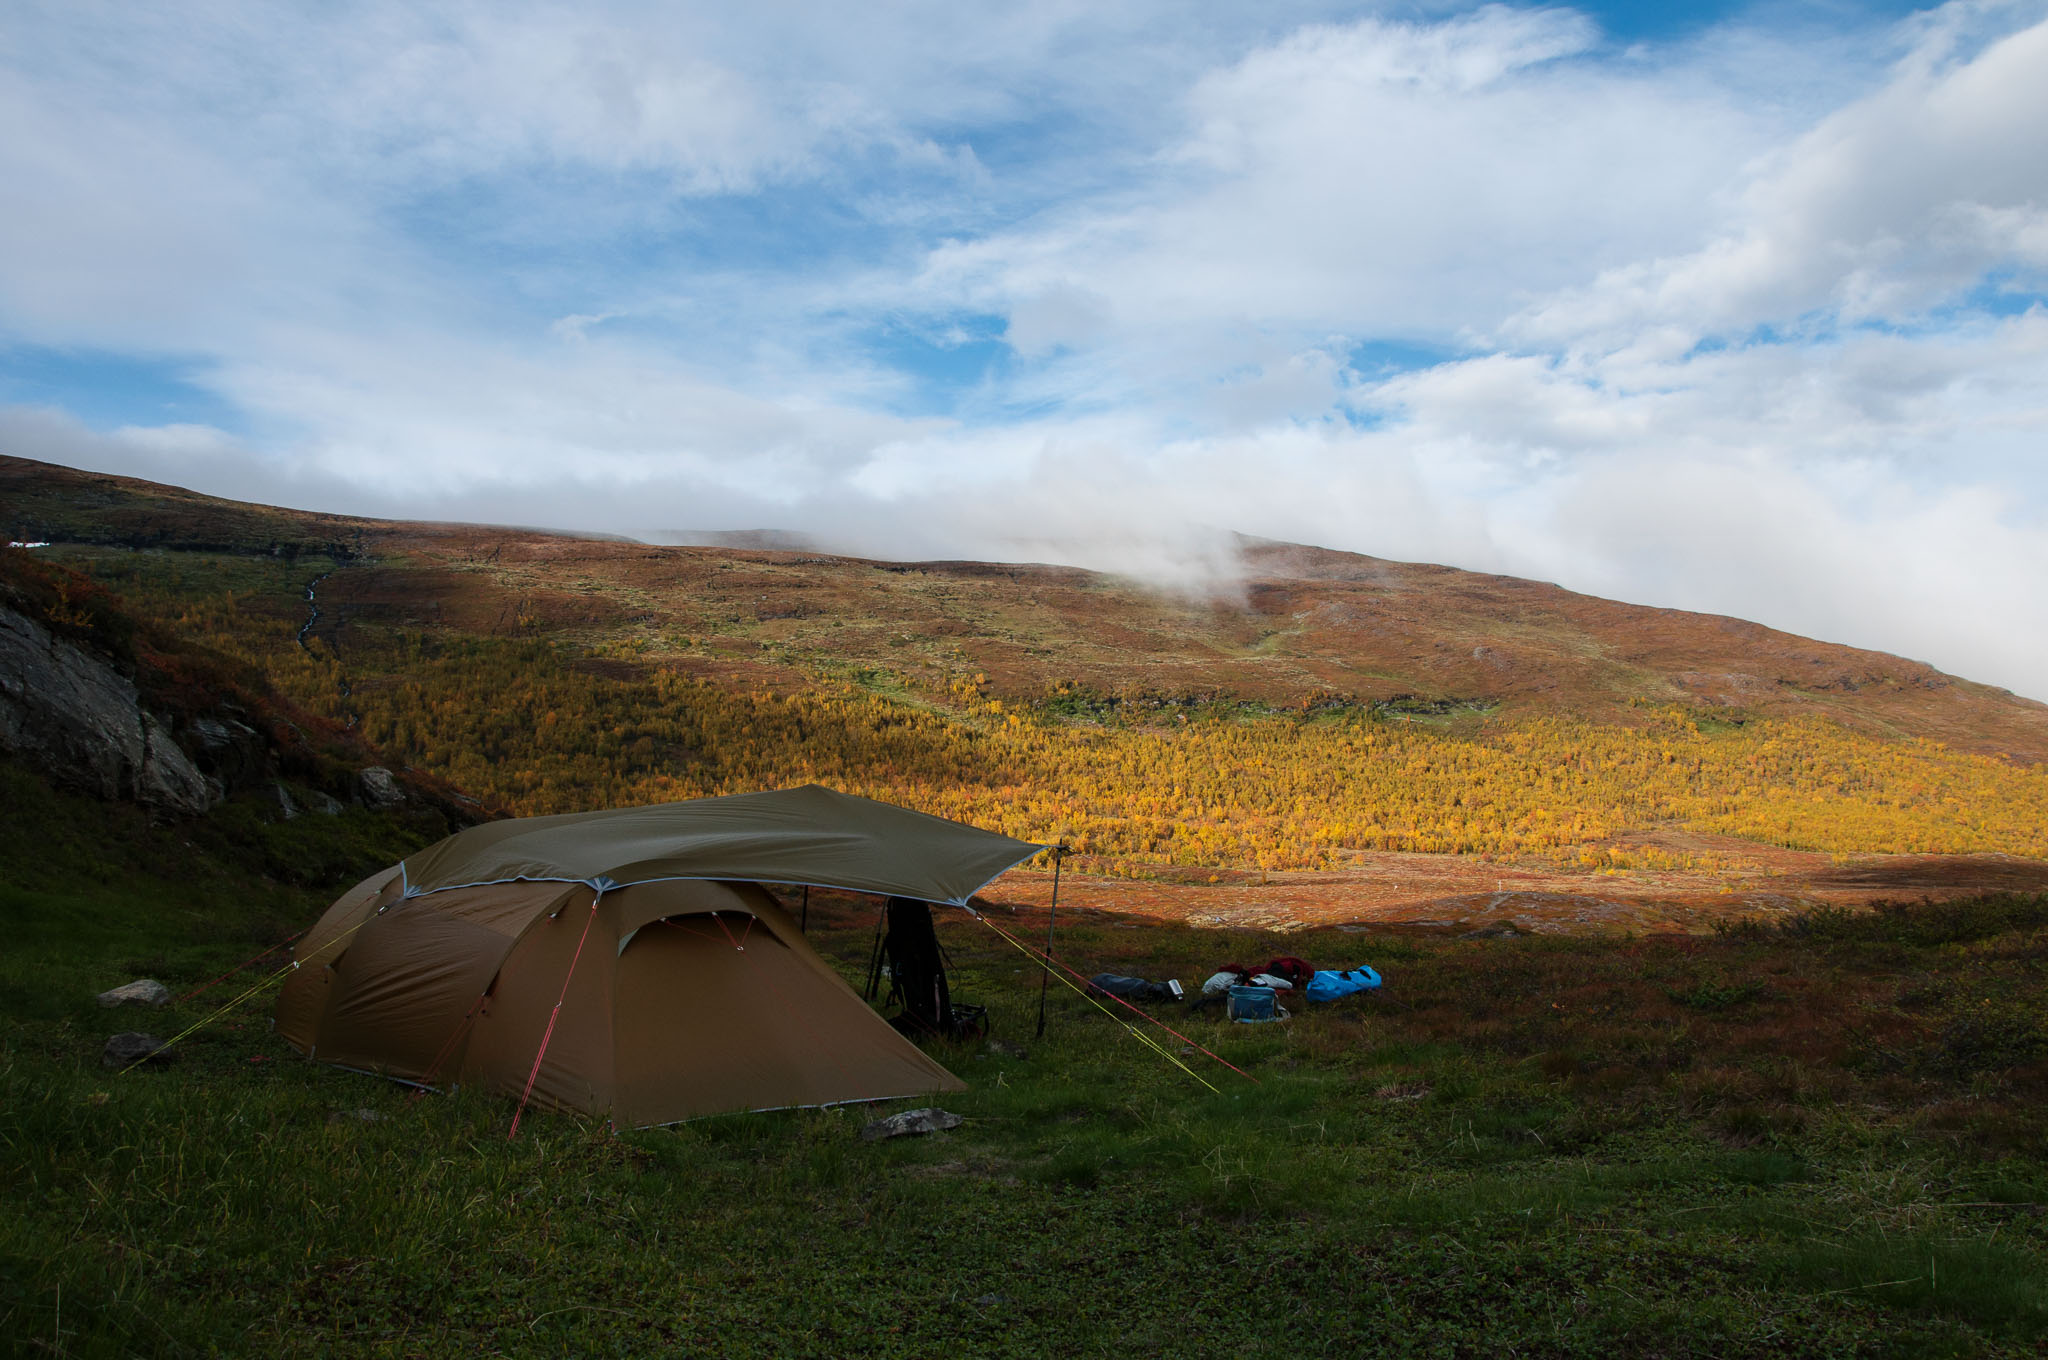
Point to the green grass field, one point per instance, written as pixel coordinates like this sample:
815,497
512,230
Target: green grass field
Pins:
1827,1140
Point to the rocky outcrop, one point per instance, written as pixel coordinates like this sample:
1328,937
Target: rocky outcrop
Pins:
71,714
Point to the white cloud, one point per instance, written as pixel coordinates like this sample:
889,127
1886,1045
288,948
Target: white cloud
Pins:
642,267
1377,179
1886,208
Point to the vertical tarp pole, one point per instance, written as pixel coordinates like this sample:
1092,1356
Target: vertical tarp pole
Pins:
1059,855
805,926
875,959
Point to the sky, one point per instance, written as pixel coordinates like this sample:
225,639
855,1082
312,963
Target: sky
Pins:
1722,307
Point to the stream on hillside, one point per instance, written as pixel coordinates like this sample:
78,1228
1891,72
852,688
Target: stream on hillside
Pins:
305,631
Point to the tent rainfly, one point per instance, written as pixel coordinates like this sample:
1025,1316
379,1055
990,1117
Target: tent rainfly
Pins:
629,963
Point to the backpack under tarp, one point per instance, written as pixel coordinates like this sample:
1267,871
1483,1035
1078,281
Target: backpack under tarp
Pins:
916,968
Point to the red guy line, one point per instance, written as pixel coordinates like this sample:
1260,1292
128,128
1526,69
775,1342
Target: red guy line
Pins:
1120,1001
240,966
553,1016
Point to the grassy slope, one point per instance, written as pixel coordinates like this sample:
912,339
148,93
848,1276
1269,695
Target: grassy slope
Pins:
1828,1142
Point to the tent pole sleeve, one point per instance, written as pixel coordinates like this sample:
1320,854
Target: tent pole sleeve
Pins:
1059,855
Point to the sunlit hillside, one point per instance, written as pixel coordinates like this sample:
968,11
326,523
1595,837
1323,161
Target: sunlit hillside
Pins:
542,713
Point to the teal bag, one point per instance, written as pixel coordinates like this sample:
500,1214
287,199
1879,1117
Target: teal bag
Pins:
1328,985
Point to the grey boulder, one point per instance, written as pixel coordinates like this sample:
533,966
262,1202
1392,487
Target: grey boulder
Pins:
928,1120
144,992
380,788
125,1050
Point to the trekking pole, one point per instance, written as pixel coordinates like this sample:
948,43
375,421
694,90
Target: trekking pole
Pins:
1059,855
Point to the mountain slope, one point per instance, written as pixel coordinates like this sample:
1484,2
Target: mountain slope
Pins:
1309,625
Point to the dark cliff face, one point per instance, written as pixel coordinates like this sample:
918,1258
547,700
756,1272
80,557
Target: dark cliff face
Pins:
72,715
96,701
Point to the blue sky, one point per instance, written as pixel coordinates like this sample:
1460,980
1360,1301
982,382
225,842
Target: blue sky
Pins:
1727,307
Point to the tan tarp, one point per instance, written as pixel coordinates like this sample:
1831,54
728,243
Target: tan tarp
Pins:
806,835
679,994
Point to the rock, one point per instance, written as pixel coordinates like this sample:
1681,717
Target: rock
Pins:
282,796
1495,930
169,779
380,788
144,992
927,1120
232,754
71,714
322,804
125,1050
1003,1048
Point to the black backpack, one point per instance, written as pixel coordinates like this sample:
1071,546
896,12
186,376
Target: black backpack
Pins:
917,975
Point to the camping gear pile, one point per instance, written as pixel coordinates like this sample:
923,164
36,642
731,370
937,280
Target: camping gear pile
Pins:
1249,994
1253,995
1288,974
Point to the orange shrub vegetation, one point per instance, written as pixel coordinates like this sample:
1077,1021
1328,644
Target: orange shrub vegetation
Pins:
522,723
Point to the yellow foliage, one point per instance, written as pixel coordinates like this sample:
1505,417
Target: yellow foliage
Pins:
524,723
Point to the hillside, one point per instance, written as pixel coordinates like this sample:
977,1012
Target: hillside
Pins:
1308,625
129,710
1343,737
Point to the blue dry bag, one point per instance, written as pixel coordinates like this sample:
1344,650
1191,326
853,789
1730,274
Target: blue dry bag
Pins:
1327,985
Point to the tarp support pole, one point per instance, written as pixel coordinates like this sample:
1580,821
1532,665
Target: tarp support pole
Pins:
875,959
805,926
1059,855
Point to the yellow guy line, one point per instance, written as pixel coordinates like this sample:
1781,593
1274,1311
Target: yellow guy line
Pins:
260,985
1133,1030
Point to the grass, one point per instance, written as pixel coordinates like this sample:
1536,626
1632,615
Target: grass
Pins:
1770,1143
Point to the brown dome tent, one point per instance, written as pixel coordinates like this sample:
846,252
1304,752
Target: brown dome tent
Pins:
630,963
